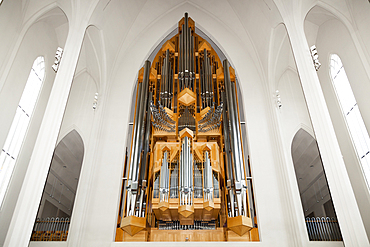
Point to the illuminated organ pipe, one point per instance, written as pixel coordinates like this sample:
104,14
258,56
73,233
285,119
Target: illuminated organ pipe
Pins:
186,173
207,178
166,82
236,159
207,81
142,106
186,58
164,179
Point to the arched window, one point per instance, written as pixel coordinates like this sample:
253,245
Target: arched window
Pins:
355,123
18,129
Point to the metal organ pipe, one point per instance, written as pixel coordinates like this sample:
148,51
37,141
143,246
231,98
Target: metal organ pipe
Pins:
207,81
186,172
180,57
239,183
145,163
165,79
186,45
234,124
208,185
229,158
164,179
137,143
186,56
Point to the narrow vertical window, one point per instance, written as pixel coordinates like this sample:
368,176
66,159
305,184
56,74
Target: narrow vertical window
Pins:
18,129
356,125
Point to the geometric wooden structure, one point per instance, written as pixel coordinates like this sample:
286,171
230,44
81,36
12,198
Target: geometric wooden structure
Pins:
133,224
240,224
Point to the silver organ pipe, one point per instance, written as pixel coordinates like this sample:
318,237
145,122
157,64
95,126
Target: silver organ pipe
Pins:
137,143
239,179
207,81
164,179
208,183
166,82
186,173
186,57
229,159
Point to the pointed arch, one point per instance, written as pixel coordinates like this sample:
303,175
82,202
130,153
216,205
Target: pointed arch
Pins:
62,181
21,121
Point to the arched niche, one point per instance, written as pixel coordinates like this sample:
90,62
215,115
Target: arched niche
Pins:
59,192
313,188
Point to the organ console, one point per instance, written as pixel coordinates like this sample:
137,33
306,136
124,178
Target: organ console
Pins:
186,172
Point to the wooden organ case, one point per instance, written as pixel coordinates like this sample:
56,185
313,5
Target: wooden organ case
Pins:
185,177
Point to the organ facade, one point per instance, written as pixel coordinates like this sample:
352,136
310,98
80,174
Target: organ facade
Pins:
186,173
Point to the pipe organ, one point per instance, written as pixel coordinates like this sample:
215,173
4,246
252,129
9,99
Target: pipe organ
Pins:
185,171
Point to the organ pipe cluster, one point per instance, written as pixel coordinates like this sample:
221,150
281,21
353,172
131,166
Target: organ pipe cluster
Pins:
137,180
186,173
186,163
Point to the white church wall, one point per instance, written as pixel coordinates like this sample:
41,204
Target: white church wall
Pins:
79,111
333,38
39,40
10,18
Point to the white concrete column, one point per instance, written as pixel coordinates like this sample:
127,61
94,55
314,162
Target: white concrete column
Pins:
21,225
346,208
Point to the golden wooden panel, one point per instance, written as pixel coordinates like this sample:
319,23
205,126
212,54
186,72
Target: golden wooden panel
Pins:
240,224
186,97
133,224
204,45
186,210
163,205
234,237
139,237
185,132
209,205
168,46
119,235
186,235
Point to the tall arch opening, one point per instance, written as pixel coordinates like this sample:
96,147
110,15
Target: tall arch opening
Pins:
318,208
58,197
351,112
186,175
20,124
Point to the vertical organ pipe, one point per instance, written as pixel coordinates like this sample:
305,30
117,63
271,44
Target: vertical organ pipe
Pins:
186,42
186,172
240,185
234,123
228,154
134,140
208,188
137,141
145,164
164,179
180,57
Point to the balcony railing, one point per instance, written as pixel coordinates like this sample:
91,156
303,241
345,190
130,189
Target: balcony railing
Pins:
323,229
50,229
